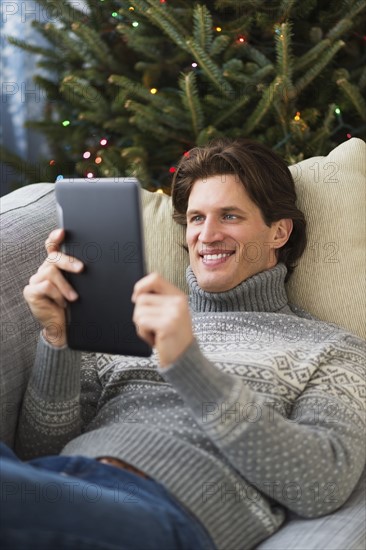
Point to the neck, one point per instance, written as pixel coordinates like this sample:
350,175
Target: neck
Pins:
264,291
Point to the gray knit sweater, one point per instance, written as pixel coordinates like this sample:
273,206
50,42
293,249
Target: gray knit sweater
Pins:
262,413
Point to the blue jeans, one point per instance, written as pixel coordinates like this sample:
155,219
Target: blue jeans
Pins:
79,503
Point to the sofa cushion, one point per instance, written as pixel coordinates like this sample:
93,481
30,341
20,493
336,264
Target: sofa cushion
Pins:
330,279
342,530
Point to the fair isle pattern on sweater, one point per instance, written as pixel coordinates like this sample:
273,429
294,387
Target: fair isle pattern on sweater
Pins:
264,411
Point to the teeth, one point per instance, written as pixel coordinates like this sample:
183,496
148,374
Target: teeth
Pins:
215,256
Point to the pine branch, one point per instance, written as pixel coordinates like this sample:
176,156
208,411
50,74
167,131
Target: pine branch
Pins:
353,94
28,172
96,47
262,107
202,27
286,8
345,24
315,145
137,90
82,94
310,56
257,56
142,114
219,44
137,163
166,21
234,108
66,10
64,43
190,98
312,73
210,69
50,87
38,50
284,57
207,134
362,81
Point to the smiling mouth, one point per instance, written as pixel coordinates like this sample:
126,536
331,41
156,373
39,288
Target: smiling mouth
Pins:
214,259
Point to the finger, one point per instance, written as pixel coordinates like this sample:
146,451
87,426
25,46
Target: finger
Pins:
153,283
54,240
164,302
55,277
146,335
45,289
65,262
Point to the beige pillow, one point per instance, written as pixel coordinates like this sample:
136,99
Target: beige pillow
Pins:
164,239
330,279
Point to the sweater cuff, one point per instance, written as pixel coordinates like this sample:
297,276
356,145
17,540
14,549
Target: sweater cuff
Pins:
56,372
198,381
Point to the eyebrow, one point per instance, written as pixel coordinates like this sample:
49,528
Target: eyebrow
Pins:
223,209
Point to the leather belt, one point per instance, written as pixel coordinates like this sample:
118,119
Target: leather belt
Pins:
111,461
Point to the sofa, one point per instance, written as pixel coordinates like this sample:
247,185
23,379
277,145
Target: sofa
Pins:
329,282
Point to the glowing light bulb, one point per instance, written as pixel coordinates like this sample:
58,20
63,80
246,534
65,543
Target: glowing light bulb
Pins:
153,91
87,155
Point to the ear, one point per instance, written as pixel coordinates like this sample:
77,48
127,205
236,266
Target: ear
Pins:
283,229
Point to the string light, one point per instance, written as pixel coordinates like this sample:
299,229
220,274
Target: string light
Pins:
297,116
90,175
337,111
135,24
98,160
103,141
186,154
172,169
52,162
153,91
59,177
194,65
218,29
131,8
349,136
241,39
114,14
87,155
159,191
66,123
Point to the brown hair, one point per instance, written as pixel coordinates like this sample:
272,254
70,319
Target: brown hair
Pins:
265,177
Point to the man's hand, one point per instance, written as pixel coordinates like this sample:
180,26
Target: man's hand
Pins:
162,317
48,290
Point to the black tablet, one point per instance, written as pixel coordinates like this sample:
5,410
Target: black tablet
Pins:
103,228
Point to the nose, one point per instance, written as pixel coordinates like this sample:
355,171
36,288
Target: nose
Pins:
210,231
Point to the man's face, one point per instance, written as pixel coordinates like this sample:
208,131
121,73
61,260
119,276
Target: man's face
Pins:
227,238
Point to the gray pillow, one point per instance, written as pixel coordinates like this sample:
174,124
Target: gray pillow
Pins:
345,529
27,217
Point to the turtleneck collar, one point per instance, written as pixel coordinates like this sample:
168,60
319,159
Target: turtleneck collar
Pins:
264,291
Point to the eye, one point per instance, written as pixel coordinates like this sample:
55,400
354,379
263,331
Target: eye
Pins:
230,216
195,219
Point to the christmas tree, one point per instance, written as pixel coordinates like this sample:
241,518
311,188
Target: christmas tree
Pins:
132,85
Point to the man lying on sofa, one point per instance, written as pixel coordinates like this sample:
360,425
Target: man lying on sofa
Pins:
238,415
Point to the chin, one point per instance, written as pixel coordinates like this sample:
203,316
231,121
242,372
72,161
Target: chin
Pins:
214,284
